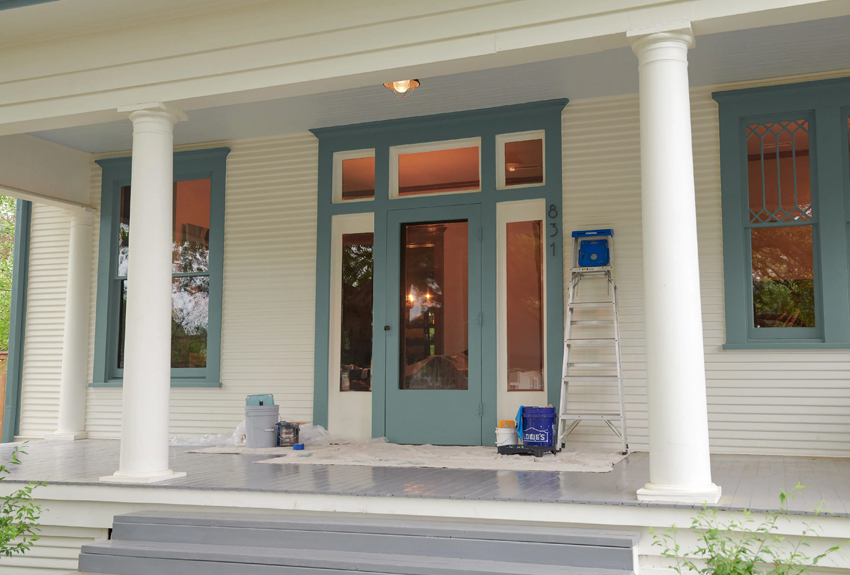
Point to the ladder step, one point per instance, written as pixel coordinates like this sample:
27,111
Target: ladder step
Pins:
597,364
593,322
592,378
593,341
599,270
598,416
590,304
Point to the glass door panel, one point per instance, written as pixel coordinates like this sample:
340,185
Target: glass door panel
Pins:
433,333
435,306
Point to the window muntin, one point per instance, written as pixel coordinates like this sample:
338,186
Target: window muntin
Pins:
190,271
520,160
357,312
778,171
449,167
525,326
354,176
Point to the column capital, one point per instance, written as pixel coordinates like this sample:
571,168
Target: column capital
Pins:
82,216
671,33
154,110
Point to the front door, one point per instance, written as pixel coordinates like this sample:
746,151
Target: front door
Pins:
434,334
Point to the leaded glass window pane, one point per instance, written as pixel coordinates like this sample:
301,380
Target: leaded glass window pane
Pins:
778,176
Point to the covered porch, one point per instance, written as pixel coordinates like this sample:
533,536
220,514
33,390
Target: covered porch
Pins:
619,155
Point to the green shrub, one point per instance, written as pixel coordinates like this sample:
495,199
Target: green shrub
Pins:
743,547
19,514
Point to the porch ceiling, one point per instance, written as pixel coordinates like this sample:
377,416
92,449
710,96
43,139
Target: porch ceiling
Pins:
791,49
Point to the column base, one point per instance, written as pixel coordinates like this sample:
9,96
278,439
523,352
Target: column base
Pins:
697,494
119,477
67,436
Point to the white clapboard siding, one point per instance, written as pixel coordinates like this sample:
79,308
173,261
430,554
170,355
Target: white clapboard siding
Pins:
57,551
45,320
269,294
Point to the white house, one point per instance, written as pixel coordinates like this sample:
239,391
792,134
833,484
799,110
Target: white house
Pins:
300,230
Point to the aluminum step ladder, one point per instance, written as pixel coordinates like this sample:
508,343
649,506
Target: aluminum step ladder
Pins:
592,261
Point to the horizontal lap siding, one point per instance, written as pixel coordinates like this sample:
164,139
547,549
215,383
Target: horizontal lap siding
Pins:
45,320
601,189
783,402
269,294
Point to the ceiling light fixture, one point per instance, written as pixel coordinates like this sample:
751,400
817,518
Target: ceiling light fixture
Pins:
402,88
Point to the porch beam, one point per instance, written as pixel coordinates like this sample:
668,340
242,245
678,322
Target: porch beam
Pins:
274,50
147,351
675,363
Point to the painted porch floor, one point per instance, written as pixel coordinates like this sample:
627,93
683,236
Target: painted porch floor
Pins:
752,482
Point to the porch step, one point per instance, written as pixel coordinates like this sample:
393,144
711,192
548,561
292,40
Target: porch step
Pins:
253,544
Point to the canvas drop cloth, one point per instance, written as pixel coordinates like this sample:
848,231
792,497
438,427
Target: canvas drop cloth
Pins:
382,454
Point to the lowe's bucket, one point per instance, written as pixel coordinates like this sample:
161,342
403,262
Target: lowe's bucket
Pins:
261,425
538,426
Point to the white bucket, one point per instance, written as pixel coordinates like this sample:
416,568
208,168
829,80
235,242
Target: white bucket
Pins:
506,436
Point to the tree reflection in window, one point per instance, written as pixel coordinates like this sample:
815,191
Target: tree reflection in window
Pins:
783,277
356,328
190,272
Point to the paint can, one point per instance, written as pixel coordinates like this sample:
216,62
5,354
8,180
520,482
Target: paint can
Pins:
261,425
506,436
538,426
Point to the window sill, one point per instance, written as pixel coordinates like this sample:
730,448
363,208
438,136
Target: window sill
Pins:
175,382
768,345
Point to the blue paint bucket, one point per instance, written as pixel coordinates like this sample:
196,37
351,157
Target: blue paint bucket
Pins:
538,426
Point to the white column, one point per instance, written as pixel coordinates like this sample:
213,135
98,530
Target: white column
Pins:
147,348
75,342
675,364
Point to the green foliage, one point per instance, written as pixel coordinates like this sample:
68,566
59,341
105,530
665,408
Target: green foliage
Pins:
742,547
19,514
7,251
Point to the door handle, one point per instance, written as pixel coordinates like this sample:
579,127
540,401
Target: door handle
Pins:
386,328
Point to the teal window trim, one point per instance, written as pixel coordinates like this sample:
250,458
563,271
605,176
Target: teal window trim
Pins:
11,4
824,103
380,136
17,321
190,165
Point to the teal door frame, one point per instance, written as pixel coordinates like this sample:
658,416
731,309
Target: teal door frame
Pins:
443,417
380,136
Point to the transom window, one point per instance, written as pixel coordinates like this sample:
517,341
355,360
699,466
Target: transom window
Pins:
452,166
